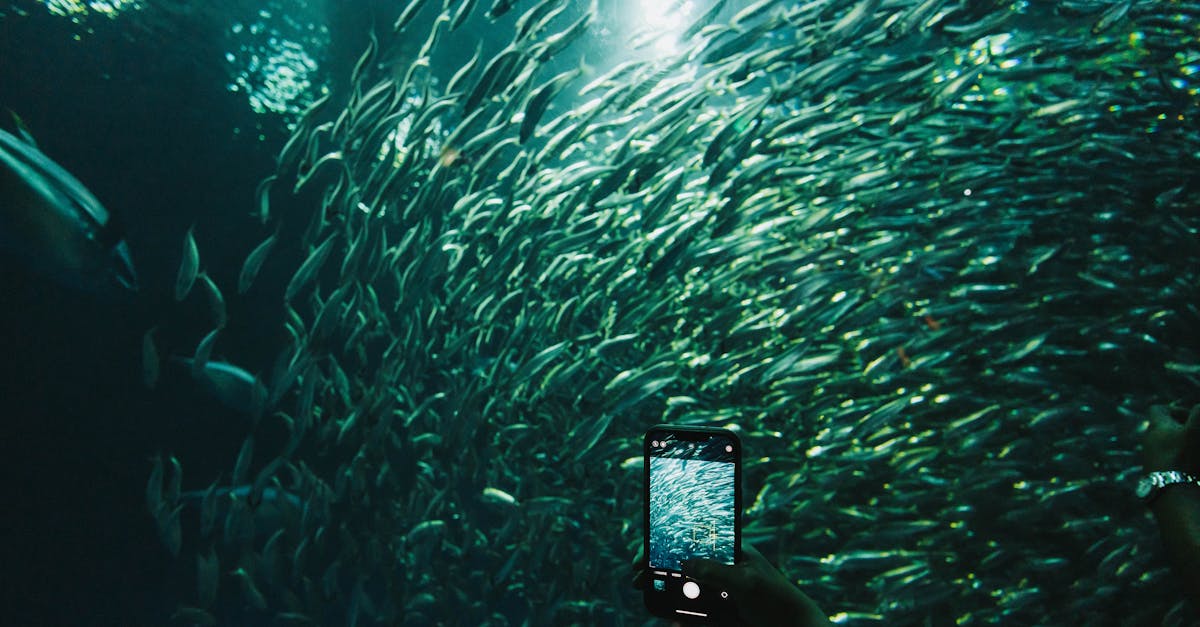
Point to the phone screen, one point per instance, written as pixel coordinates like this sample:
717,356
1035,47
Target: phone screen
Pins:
692,512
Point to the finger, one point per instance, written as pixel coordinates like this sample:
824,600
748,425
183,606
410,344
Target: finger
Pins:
754,561
1160,417
752,554
713,573
1162,423
701,570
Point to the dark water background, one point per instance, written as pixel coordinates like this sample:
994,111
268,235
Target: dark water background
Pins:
146,122
144,118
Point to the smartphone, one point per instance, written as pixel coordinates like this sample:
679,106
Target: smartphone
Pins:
693,506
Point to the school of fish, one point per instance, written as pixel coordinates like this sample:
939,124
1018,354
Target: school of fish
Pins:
932,259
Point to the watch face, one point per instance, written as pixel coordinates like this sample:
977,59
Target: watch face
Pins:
1143,487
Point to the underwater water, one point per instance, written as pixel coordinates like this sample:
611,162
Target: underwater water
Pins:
415,277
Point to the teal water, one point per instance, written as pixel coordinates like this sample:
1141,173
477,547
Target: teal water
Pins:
932,260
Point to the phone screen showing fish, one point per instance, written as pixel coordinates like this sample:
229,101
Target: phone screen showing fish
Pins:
692,511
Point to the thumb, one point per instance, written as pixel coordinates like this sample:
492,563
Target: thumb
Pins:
1160,417
714,573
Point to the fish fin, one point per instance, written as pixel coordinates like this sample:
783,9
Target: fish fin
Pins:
22,129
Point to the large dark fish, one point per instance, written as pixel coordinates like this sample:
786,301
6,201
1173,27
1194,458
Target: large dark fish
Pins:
233,386
49,219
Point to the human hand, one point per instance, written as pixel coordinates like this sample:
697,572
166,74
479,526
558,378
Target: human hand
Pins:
1172,441
639,573
764,596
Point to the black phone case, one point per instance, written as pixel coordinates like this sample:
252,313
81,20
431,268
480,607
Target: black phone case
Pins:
724,610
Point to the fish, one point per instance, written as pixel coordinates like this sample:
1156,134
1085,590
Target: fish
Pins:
408,14
886,242
216,300
154,488
498,496
456,81
236,388
170,529
254,261
500,7
535,19
263,193
462,13
207,577
52,223
307,270
250,592
172,491
208,502
498,72
189,265
1111,15
551,46
540,99
704,20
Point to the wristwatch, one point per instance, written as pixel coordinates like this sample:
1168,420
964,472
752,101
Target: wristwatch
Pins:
1152,484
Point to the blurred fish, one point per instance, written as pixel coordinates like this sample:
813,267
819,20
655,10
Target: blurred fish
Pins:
540,99
216,300
230,384
250,592
889,242
55,225
500,7
498,496
253,263
189,265
207,577
307,270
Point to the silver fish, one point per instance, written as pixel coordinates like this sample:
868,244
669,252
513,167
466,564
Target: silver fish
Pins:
189,265
253,263
308,270
230,384
216,301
